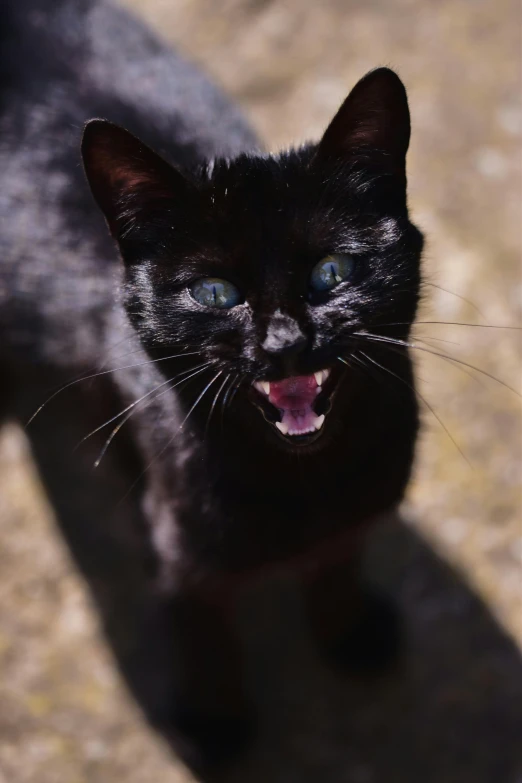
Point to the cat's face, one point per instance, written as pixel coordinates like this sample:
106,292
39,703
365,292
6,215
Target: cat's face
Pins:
268,265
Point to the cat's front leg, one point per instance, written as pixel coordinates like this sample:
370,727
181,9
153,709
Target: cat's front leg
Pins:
211,716
357,627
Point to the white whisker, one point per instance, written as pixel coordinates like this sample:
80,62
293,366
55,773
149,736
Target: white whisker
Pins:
120,425
107,372
169,442
136,402
415,391
212,407
405,343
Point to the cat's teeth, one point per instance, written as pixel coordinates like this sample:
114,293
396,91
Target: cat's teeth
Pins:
318,423
263,387
285,430
321,376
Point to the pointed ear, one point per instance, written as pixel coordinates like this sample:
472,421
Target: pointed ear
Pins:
374,116
124,174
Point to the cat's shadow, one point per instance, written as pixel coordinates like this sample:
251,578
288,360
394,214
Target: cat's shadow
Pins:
451,714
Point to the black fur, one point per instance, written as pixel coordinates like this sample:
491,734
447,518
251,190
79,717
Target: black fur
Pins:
224,494
263,222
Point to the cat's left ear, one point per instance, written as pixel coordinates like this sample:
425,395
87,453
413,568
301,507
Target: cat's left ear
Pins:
125,175
374,117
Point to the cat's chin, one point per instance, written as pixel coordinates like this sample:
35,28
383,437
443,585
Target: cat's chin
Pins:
296,407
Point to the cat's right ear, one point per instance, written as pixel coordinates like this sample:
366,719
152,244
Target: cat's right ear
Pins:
126,177
374,117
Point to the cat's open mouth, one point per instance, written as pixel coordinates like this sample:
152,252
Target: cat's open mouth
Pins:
296,406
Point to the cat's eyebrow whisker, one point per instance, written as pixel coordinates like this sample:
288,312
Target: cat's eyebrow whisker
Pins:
107,372
413,290
199,369
149,402
424,400
405,343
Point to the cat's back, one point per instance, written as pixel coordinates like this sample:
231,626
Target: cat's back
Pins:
61,63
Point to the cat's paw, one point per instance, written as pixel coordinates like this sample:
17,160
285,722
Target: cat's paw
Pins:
372,643
209,740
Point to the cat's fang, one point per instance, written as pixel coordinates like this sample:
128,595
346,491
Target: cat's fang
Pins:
293,397
318,423
263,387
321,376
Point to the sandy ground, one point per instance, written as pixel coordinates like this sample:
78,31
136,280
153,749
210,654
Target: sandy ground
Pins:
454,714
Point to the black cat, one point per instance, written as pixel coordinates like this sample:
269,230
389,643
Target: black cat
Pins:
258,433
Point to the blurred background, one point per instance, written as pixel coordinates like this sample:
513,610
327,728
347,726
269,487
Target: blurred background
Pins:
455,564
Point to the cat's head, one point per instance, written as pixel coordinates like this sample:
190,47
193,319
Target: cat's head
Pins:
267,265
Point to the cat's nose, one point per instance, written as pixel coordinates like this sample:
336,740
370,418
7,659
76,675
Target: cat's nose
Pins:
284,337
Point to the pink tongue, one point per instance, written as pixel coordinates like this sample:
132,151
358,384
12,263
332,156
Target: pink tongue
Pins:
294,398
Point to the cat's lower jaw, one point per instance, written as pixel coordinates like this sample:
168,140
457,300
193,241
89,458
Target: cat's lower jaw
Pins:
297,406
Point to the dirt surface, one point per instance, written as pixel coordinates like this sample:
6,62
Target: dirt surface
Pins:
453,714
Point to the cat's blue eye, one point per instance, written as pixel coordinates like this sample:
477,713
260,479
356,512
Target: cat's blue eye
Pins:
213,292
331,271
